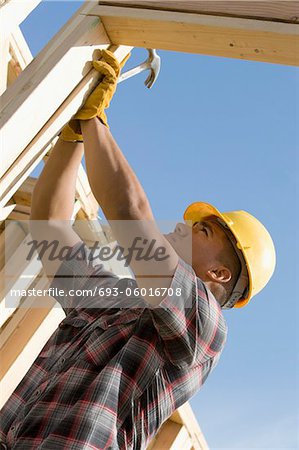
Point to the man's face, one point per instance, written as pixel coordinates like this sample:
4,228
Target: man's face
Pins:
199,245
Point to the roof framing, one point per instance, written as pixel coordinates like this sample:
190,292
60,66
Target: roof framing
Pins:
271,39
46,94
283,10
12,13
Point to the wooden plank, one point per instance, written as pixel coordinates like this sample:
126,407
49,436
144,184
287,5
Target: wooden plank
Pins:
165,436
24,193
20,55
172,436
6,210
19,171
282,10
39,146
19,49
182,441
20,212
185,415
77,207
11,349
247,39
4,62
31,331
10,239
17,273
83,192
13,12
18,340
58,69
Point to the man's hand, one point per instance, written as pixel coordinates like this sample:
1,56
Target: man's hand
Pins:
99,99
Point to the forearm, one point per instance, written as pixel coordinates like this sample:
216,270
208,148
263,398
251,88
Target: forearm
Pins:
113,182
54,192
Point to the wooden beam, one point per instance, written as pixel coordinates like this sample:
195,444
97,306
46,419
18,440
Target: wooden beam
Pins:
172,436
24,193
185,415
283,10
13,12
58,69
19,49
20,212
25,335
10,239
11,346
61,68
29,158
18,274
20,57
77,208
4,62
83,192
6,210
248,39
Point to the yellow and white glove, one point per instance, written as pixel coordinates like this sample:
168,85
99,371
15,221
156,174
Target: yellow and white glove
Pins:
100,97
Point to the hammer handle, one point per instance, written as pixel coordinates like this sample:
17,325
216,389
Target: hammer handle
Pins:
133,72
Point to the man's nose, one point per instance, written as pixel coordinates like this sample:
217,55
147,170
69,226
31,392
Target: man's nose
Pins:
182,229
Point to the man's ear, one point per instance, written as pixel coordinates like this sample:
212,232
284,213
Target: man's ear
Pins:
220,274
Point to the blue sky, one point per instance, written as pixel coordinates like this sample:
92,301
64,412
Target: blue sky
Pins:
221,131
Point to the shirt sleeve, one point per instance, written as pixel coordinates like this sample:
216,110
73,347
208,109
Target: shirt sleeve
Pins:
189,322
77,282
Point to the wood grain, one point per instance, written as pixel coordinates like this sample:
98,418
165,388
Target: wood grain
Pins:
226,37
13,12
281,10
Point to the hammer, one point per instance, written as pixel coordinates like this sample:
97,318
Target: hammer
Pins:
153,63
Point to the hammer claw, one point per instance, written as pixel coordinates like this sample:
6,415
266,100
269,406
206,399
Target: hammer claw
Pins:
153,64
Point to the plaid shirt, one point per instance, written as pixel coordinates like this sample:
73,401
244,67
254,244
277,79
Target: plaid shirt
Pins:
109,377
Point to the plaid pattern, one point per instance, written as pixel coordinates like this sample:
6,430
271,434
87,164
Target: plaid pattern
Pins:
109,377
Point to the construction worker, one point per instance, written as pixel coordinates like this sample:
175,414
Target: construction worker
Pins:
121,363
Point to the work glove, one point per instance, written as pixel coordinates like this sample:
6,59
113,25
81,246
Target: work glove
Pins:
100,97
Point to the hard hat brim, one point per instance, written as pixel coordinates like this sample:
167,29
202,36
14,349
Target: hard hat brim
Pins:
199,211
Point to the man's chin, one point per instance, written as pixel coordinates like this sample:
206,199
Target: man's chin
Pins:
170,239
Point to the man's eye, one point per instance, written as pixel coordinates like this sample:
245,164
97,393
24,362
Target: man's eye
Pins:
200,227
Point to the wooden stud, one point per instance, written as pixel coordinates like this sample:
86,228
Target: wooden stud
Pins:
20,212
185,415
12,345
6,210
29,158
4,62
172,436
24,193
19,49
13,13
49,73
83,192
12,236
18,273
26,333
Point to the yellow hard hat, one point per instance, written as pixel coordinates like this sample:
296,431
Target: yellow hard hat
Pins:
250,239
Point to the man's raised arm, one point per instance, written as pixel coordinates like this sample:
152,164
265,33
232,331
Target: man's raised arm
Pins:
53,203
126,207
